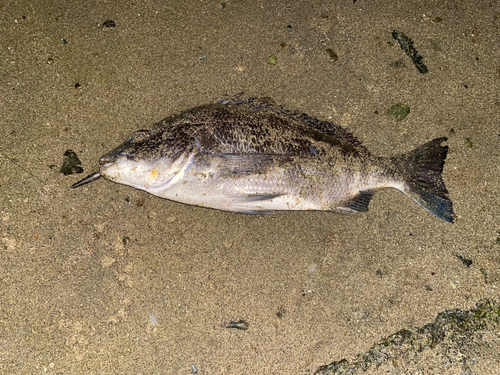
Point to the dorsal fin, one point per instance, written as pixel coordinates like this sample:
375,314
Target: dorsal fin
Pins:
268,104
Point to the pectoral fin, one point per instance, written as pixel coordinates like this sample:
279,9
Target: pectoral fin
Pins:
245,164
249,204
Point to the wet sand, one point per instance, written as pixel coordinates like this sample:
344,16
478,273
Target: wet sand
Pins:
106,279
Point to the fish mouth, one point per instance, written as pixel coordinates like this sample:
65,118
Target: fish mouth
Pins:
104,162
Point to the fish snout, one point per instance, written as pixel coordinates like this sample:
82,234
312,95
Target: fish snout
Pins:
106,159
112,157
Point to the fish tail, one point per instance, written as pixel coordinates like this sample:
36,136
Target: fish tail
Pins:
422,171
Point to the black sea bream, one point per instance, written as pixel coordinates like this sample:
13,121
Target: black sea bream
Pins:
251,156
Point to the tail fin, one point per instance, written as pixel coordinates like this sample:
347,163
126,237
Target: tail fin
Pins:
421,169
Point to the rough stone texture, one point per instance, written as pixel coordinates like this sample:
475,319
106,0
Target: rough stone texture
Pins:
458,341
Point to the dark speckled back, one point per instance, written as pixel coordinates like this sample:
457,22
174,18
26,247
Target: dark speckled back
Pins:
256,127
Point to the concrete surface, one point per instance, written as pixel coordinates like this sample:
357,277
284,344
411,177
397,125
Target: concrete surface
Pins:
106,279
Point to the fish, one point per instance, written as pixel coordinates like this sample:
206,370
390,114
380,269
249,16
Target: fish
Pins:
253,156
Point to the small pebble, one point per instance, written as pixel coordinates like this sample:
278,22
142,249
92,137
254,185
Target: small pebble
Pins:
153,319
398,111
240,324
271,60
108,24
333,55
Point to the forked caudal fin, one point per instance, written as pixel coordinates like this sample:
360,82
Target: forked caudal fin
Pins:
421,170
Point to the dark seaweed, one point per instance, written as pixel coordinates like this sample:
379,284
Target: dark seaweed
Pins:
407,46
71,164
465,261
240,324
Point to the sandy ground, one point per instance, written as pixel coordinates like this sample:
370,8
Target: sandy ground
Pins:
106,279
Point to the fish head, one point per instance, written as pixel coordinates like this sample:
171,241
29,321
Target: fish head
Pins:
148,159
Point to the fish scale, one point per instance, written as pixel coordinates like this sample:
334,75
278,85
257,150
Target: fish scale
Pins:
252,156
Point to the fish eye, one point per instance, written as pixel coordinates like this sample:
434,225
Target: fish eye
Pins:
139,136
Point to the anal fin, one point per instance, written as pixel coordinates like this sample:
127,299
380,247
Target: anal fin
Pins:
358,203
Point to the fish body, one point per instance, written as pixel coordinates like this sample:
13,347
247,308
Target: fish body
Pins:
251,156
